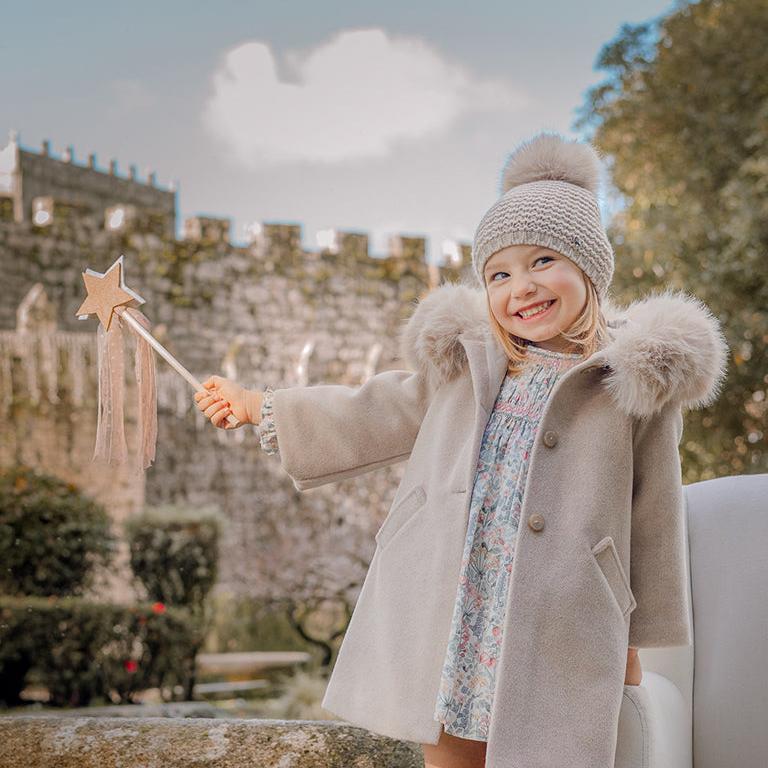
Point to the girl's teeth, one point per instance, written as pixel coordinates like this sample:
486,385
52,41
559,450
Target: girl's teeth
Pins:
541,308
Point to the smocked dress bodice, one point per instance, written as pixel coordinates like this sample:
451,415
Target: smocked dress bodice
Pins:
467,682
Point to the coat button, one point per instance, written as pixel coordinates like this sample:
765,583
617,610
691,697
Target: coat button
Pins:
536,522
550,438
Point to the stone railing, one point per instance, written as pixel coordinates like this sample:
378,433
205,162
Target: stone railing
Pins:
59,741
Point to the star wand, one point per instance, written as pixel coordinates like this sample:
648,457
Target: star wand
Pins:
108,297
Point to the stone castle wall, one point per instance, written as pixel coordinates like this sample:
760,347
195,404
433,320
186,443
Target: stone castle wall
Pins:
266,313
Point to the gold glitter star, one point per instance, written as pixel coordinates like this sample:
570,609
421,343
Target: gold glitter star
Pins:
105,292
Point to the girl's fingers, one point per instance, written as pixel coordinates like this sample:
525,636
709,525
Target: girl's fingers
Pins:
219,419
215,408
205,400
213,405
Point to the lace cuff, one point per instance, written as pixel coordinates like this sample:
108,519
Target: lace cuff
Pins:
266,427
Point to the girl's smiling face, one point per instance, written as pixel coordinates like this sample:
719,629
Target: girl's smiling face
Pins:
519,276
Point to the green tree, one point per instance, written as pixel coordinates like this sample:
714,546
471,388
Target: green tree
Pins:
682,119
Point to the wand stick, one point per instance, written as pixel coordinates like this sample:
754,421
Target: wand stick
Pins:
167,356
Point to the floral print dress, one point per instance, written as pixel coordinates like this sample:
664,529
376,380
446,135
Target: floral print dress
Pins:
467,682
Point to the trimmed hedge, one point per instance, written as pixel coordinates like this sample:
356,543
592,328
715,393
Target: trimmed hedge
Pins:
51,538
82,650
175,552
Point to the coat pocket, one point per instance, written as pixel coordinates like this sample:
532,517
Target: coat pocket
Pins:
607,559
400,514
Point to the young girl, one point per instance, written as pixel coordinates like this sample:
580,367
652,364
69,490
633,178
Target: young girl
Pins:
536,539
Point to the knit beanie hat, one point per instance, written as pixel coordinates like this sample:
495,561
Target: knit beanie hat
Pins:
549,194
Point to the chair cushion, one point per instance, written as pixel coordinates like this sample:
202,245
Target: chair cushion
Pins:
728,542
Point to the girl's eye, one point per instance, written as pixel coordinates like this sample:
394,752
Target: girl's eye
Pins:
493,276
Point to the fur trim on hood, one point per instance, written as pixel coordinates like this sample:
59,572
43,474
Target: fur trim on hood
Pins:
663,347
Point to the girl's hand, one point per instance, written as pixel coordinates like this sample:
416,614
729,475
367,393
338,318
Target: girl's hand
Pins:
225,396
634,673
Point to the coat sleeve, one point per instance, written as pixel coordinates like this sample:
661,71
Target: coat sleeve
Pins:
658,545
331,432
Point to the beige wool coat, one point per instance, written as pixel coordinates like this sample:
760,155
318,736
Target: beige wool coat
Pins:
599,563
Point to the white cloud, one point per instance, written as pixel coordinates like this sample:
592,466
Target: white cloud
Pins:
353,96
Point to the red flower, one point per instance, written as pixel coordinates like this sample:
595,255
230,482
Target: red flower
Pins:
158,607
130,665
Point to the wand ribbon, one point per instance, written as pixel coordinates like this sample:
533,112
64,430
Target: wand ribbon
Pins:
115,304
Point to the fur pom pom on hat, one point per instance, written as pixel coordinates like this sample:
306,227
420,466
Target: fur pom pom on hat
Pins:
549,157
550,189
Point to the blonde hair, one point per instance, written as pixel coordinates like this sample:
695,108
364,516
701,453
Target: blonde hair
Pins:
587,334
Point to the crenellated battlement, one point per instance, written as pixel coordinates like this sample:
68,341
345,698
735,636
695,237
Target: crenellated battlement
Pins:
333,245
46,191
36,182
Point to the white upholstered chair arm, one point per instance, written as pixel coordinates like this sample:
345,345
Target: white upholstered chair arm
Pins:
654,726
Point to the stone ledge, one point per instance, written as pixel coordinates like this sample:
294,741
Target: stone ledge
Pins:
53,741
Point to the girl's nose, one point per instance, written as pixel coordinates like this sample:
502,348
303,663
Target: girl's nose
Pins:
522,290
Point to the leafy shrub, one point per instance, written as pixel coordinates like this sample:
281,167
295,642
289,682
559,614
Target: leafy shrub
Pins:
51,536
174,552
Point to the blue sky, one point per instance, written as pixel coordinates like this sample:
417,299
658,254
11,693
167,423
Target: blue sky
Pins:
384,119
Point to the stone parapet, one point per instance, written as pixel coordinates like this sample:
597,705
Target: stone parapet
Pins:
50,741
